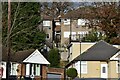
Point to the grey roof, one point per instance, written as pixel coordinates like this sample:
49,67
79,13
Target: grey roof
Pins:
101,51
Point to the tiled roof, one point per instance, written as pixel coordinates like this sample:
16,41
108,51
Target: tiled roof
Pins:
78,13
24,56
16,57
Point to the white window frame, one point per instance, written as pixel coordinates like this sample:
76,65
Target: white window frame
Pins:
38,68
46,23
57,23
85,63
66,34
14,67
83,33
27,69
77,66
66,21
81,22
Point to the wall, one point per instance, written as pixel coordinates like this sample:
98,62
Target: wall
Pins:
75,49
93,70
44,71
74,28
57,71
112,70
48,30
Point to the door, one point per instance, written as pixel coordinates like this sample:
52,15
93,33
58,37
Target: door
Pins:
52,76
104,71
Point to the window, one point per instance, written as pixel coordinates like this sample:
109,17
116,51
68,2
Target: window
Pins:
27,69
14,68
67,22
82,22
67,35
46,23
73,36
57,23
103,70
83,33
118,66
83,67
37,72
35,69
47,36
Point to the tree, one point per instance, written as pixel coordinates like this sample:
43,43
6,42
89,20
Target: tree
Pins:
105,16
54,57
54,9
93,36
72,72
102,16
24,31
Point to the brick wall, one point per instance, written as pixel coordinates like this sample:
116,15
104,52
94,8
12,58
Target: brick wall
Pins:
57,71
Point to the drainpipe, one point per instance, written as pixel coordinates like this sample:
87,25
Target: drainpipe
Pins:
65,73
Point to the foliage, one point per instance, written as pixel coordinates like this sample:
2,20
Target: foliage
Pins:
72,72
24,31
93,36
54,9
105,16
54,58
102,16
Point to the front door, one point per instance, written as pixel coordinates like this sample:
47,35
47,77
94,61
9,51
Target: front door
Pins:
104,71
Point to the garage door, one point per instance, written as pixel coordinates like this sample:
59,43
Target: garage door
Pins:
51,76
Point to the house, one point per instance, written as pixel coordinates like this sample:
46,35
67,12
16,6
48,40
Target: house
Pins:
66,27
100,60
28,63
59,29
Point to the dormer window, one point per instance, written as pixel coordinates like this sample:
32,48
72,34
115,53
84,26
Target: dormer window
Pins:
82,22
66,21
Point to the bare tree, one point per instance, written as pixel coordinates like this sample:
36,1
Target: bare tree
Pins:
54,9
105,16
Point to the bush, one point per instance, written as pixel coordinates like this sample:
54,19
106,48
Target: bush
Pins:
54,58
72,72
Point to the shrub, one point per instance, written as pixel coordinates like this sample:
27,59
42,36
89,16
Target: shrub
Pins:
72,72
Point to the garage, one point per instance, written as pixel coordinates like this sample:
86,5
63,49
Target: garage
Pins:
53,76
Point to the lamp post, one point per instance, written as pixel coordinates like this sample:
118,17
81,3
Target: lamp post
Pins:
80,54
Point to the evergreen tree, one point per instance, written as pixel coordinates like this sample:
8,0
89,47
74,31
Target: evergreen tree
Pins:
54,58
24,32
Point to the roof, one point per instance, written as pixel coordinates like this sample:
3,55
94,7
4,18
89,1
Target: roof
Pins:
20,56
101,51
46,17
78,13
36,57
16,57
74,14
